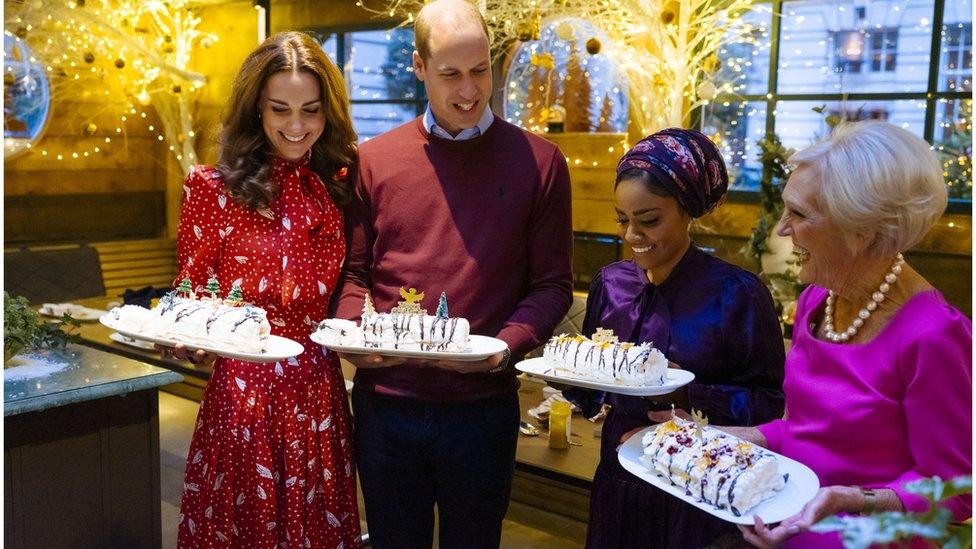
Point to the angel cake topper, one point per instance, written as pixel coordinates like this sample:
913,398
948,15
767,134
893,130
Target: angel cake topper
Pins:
700,419
410,304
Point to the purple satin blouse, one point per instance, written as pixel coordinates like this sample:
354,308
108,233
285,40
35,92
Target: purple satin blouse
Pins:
709,317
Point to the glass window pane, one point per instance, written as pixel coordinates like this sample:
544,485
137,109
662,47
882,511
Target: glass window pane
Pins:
379,64
956,60
330,45
798,125
737,127
838,46
744,66
372,119
953,141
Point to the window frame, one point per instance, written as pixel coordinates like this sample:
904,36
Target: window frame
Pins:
931,95
342,35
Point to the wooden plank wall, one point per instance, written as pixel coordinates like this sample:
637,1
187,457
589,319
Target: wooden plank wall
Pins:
115,193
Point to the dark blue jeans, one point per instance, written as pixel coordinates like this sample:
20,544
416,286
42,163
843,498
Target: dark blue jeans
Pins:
459,456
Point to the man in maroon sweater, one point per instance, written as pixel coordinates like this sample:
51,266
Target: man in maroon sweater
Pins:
462,202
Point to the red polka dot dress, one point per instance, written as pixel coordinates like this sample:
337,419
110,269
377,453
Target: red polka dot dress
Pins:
270,462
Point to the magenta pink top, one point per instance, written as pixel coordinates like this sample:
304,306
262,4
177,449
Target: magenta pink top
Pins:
882,413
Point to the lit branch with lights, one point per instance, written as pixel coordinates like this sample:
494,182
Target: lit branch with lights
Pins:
119,57
667,48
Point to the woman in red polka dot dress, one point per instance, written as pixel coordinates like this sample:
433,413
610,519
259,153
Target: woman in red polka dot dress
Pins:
270,463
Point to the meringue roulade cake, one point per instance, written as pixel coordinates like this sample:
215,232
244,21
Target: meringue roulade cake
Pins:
605,360
407,327
713,467
208,321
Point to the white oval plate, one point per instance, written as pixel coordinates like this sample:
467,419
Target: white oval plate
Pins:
800,488
279,348
77,312
675,380
479,348
131,342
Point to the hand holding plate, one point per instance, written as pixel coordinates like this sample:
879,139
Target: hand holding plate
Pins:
471,366
372,361
180,352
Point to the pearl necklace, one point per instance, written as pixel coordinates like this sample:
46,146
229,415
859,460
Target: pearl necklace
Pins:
865,313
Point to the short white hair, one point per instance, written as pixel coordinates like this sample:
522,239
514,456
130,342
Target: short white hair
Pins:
877,178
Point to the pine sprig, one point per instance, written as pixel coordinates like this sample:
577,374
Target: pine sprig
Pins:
24,330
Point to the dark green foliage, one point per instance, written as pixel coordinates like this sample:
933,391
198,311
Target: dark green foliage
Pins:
24,330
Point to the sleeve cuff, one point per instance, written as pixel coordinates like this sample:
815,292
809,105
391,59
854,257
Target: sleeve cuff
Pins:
913,502
519,340
773,431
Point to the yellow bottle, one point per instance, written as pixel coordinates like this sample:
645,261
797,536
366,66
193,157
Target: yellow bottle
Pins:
560,425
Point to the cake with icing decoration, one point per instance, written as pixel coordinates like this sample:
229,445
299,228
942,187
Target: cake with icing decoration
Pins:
406,327
712,466
604,359
208,321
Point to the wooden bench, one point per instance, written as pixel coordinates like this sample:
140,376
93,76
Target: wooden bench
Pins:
134,264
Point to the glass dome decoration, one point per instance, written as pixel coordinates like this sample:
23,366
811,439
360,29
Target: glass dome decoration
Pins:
566,76
26,97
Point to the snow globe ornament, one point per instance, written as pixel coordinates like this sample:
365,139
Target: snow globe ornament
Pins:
26,97
561,70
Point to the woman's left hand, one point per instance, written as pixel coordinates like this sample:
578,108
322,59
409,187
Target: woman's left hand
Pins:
828,502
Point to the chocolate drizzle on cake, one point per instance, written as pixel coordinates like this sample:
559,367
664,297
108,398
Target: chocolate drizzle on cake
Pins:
605,360
717,468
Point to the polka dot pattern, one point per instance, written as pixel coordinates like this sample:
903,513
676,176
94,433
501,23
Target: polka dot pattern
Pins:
270,462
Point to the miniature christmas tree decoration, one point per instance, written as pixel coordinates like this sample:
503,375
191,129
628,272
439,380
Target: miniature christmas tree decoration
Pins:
236,295
185,287
442,306
213,287
368,308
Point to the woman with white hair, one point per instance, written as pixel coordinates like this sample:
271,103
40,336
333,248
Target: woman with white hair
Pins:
879,379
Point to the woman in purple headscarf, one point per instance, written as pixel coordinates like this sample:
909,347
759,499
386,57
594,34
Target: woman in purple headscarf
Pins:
708,316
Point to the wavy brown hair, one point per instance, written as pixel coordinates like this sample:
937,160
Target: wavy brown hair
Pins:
245,152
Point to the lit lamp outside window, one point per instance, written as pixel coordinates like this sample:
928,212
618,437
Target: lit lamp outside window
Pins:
263,7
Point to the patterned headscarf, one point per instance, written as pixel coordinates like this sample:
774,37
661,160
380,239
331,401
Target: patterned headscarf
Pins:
686,163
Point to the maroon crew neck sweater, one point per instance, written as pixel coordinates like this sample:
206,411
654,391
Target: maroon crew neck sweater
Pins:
485,220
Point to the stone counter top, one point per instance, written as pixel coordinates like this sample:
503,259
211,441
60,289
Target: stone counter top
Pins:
41,380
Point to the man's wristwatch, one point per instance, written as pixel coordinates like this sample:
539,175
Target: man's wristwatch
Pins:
503,364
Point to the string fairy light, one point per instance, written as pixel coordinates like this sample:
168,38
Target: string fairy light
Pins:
663,46
116,57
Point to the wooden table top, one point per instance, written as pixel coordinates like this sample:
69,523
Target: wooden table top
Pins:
577,462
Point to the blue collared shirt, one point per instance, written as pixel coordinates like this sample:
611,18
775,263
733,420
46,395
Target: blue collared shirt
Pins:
430,124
